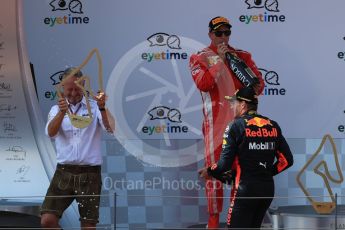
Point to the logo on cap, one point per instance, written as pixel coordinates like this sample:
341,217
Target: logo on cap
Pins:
219,20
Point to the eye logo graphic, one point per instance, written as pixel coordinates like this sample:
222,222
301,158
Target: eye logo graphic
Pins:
74,6
163,112
56,77
270,5
272,86
271,77
164,39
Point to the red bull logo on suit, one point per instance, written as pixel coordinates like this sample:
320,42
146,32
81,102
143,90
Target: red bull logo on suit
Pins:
262,132
257,121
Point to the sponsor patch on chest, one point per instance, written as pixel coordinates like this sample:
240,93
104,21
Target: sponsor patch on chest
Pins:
212,60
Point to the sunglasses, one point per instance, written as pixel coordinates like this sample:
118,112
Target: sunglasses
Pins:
219,33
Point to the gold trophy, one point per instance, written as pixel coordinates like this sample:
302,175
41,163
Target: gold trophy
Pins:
84,84
322,207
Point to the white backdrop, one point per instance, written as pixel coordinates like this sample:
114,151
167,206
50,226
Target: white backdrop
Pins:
301,49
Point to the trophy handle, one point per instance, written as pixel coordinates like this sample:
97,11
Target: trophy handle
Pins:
80,121
100,66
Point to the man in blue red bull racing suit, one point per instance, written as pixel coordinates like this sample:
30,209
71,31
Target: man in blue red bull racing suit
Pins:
214,79
259,151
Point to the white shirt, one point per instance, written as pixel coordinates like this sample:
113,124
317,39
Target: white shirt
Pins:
78,146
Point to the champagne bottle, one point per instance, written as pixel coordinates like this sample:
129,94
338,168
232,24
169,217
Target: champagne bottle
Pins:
240,69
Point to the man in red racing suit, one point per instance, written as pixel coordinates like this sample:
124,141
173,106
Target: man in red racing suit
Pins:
259,151
214,79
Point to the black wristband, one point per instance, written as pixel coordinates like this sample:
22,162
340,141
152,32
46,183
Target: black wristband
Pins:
101,109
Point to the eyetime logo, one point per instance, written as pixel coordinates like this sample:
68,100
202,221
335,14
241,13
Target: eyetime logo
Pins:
138,85
55,79
165,40
164,113
264,17
74,9
341,54
272,85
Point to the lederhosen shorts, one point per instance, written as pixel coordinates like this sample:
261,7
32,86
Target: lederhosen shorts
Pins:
80,182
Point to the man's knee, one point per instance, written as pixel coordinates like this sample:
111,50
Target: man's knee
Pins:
49,220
